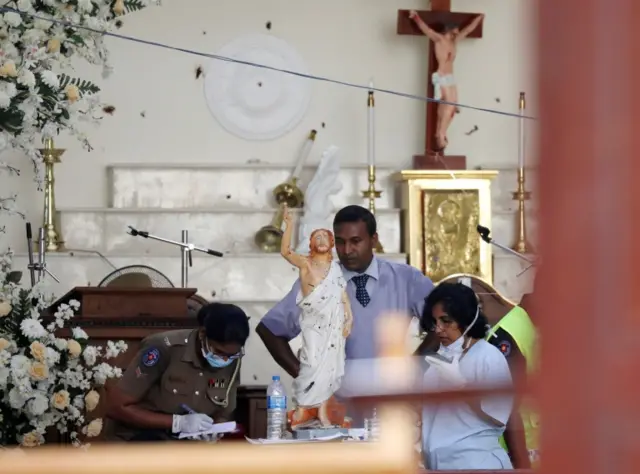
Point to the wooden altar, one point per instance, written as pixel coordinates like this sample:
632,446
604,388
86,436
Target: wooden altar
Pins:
440,212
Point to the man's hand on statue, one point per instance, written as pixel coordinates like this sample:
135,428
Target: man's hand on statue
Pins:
287,215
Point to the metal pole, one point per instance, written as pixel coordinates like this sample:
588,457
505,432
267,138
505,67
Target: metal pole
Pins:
41,248
185,258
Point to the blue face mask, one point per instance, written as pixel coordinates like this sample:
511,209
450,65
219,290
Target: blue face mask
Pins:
214,360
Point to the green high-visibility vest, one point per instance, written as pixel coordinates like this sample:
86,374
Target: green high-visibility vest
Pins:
518,325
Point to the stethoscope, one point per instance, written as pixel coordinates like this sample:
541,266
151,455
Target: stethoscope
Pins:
224,403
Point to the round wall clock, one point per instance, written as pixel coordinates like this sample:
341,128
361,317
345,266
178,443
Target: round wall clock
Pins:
256,103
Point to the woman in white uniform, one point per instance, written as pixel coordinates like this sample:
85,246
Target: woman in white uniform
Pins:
463,435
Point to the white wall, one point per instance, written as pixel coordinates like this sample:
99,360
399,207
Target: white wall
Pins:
348,40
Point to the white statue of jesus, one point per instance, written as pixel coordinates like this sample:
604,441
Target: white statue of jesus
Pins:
325,322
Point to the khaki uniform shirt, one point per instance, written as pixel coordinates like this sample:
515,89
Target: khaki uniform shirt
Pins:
168,372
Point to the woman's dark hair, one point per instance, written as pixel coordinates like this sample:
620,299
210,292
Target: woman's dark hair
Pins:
224,323
460,303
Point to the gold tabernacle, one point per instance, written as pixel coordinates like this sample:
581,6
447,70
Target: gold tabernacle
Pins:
441,210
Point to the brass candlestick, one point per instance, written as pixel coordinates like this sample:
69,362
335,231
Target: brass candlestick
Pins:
50,156
521,195
372,193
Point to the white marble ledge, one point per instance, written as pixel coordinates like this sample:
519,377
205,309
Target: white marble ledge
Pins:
178,186
228,230
251,186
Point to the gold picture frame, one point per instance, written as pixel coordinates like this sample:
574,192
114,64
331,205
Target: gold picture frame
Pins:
440,211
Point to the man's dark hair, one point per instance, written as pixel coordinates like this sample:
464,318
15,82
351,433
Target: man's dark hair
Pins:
447,27
224,323
460,303
351,214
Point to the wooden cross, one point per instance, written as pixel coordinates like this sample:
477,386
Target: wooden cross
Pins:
439,15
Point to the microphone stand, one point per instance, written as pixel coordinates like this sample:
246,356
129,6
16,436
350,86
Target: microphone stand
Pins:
484,235
185,248
41,266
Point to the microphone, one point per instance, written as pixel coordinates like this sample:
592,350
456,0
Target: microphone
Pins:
484,233
31,266
138,233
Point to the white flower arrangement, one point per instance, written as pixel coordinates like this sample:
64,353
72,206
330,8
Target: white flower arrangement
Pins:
37,43
47,381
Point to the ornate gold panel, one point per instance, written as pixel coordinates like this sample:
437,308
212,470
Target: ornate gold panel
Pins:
441,210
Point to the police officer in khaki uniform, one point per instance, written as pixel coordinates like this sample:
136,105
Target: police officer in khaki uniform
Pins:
181,382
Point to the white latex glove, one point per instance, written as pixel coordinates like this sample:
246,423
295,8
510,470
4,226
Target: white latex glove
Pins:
193,423
449,372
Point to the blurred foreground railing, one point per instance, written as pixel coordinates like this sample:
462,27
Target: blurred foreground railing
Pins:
392,454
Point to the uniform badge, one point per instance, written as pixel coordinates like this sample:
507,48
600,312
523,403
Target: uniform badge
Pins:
151,357
505,348
167,341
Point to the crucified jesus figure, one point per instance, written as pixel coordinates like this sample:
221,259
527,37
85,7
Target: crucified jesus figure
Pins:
444,84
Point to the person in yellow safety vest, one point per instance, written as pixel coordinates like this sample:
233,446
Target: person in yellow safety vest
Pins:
513,333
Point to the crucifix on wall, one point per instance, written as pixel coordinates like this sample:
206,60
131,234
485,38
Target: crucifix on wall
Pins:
444,28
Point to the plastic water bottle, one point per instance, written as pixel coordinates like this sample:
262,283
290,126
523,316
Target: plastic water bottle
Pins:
373,427
276,409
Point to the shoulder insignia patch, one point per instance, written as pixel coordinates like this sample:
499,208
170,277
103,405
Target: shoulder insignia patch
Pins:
150,357
505,348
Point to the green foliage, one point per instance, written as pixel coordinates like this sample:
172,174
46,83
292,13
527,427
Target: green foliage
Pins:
85,87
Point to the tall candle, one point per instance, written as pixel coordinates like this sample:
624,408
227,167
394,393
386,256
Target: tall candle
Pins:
304,154
521,151
371,127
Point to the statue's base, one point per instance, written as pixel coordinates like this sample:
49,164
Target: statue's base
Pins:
439,162
318,433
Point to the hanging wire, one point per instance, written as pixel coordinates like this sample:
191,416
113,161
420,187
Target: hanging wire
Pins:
261,66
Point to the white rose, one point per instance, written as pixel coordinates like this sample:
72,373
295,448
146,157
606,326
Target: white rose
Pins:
13,19
90,355
16,399
37,405
94,428
91,400
74,348
79,333
32,439
5,308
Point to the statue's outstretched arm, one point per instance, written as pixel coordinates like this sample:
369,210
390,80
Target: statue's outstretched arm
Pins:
426,29
290,256
467,30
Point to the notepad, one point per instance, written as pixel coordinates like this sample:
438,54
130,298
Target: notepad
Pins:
217,428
